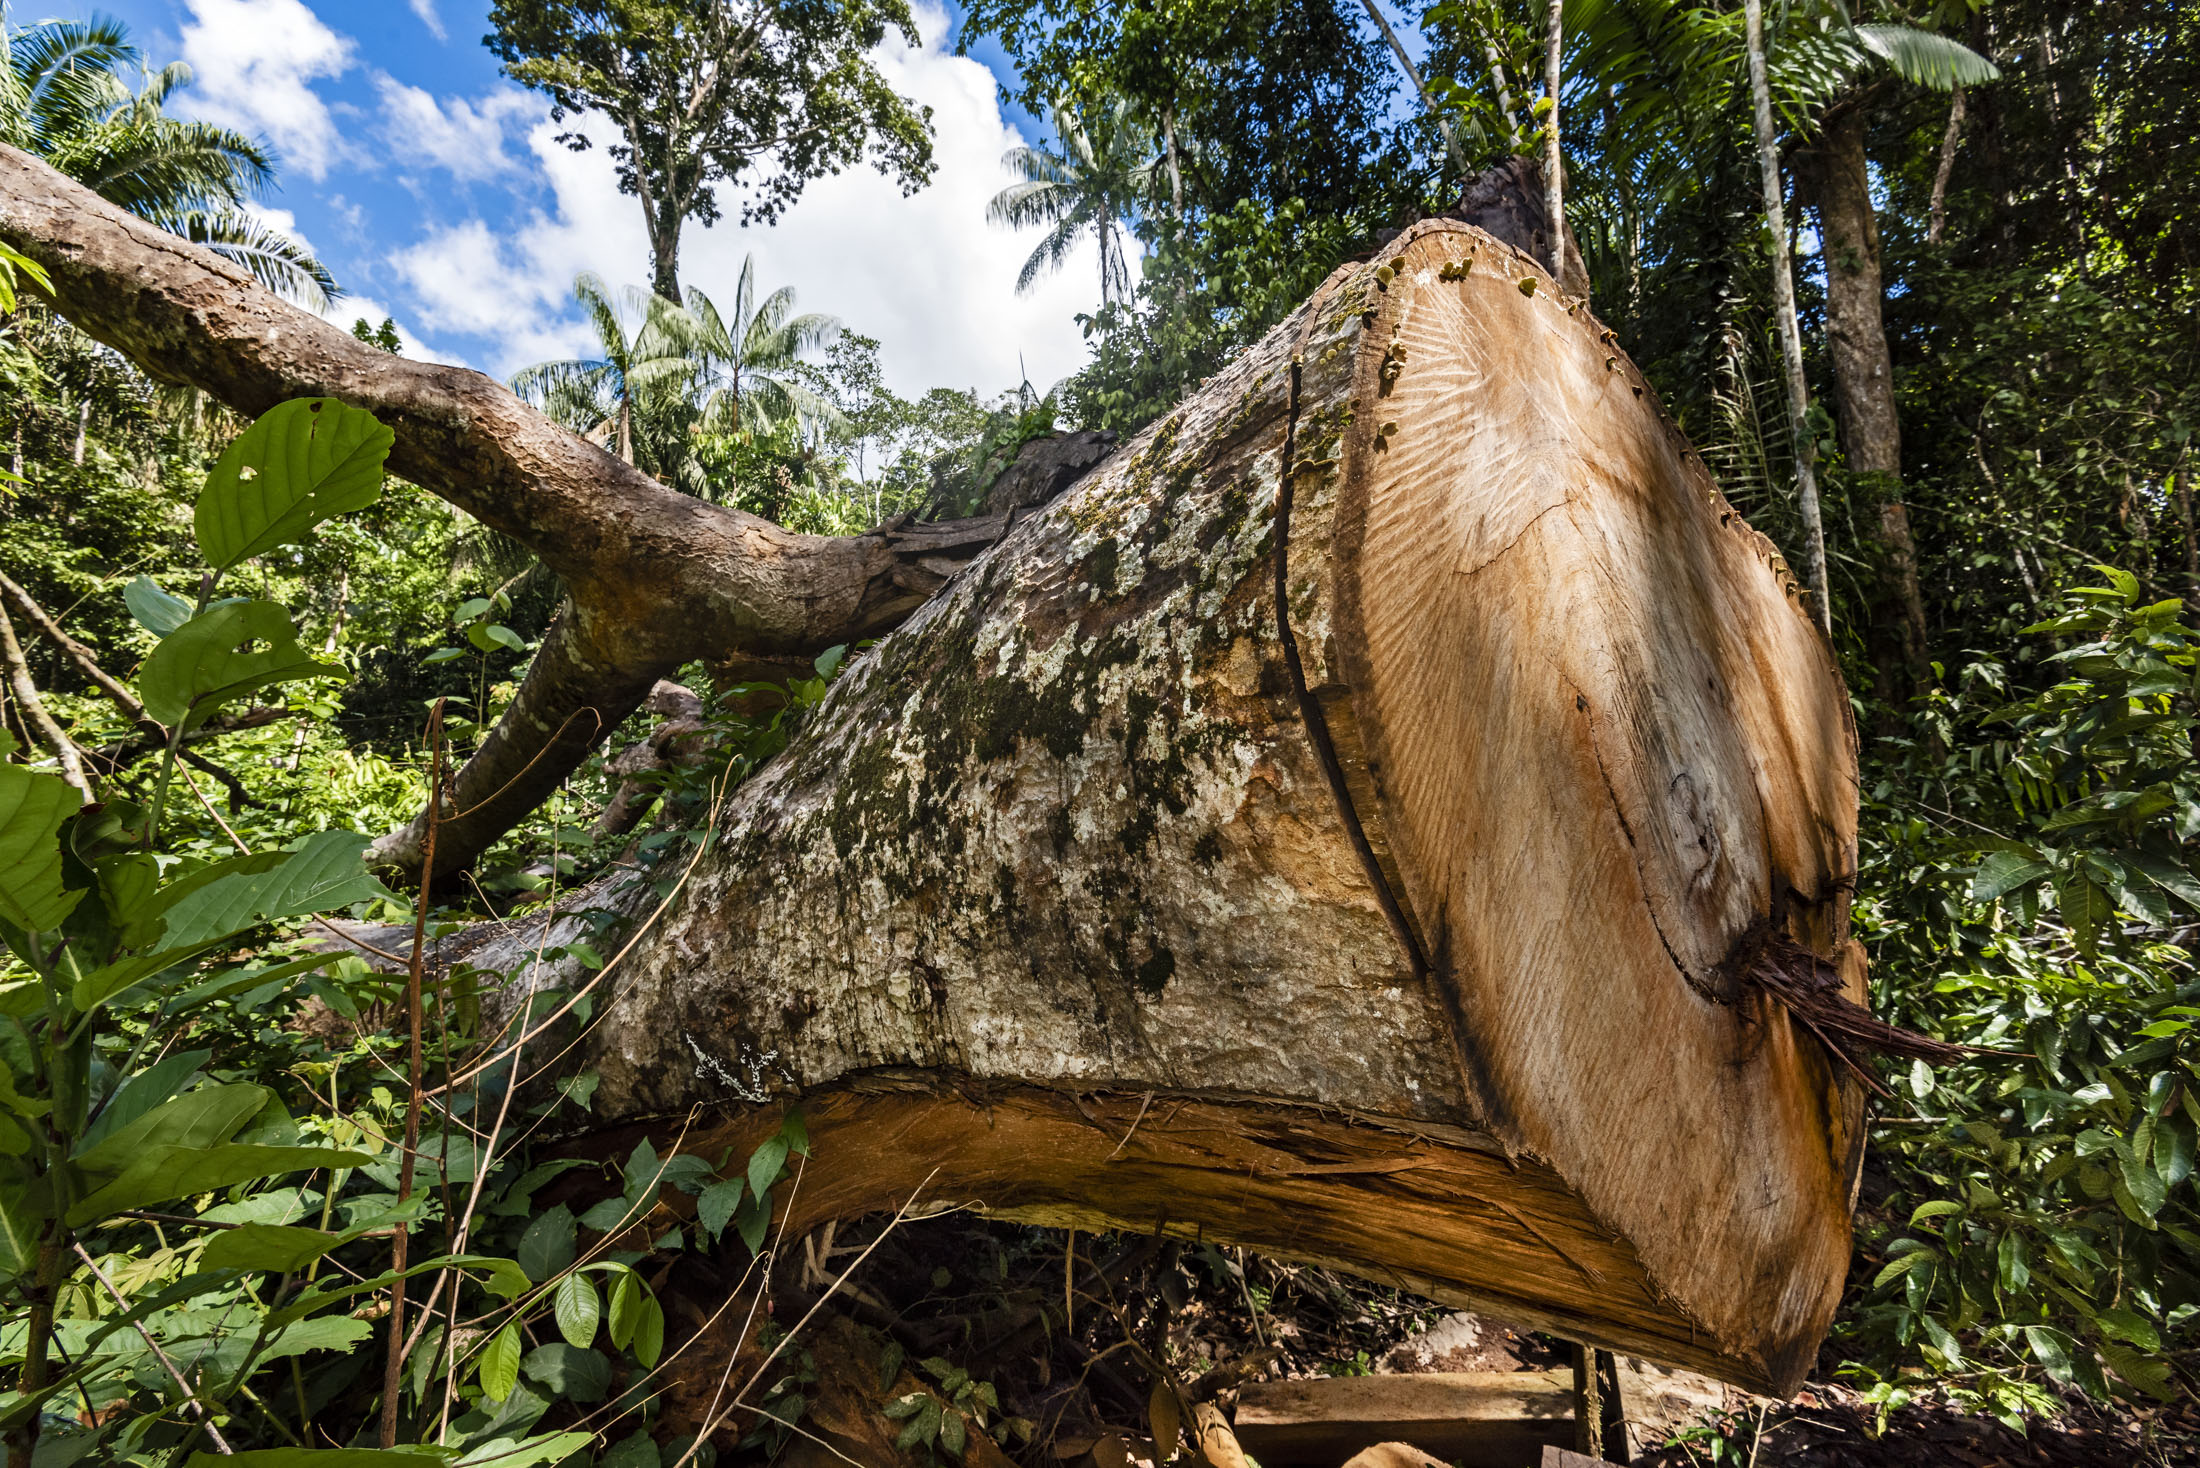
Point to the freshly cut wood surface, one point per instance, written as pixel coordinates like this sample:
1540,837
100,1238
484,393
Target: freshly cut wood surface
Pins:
1341,839
1606,750
1481,1419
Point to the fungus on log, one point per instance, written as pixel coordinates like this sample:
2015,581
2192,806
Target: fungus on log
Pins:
1343,823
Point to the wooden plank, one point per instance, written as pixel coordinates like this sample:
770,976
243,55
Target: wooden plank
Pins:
1477,1419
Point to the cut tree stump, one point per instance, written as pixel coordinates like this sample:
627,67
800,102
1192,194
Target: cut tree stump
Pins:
1401,923
1480,1419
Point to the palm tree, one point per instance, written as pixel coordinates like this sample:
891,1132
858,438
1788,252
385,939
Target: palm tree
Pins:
65,97
1105,170
743,359
634,398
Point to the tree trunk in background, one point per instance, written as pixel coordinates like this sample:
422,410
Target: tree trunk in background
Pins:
1413,74
1938,214
1783,310
1864,402
1554,162
1342,824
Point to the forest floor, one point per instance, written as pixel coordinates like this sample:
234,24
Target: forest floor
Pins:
989,1299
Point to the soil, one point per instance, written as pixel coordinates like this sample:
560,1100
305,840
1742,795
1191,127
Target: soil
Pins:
1074,1331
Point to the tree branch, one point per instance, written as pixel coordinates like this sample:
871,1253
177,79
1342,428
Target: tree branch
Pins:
35,716
657,576
118,693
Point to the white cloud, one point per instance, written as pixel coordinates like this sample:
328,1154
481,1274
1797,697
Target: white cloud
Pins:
926,275
255,60
464,138
425,9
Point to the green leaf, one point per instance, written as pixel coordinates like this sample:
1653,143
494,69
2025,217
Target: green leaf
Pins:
626,1308
716,1207
206,1117
952,1430
413,1457
570,1371
144,1091
2015,1271
2149,1375
1896,1268
200,666
578,1309
649,1331
500,1363
323,1333
32,810
506,1452
324,874
754,1222
636,1450
764,1165
2085,907
157,611
164,1174
276,1248
2167,875
102,984
546,1248
24,1208
2005,871
489,636
299,463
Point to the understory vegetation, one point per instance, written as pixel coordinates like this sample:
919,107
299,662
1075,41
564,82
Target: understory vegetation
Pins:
265,1188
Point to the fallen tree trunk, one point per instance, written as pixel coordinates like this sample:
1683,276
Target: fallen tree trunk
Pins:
1345,825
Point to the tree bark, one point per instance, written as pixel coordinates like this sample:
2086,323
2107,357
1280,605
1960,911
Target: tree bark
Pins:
656,577
1863,376
1783,310
1344,824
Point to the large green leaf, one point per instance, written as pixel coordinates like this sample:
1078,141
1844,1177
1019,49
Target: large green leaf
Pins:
164,1174
32,810
206,1117
142,1092
297,465
226,651
324,873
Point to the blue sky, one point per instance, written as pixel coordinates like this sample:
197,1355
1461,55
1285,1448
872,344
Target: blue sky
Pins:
433,187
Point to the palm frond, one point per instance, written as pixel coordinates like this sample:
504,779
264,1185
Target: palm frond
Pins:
1049,254
276,261
1927,59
